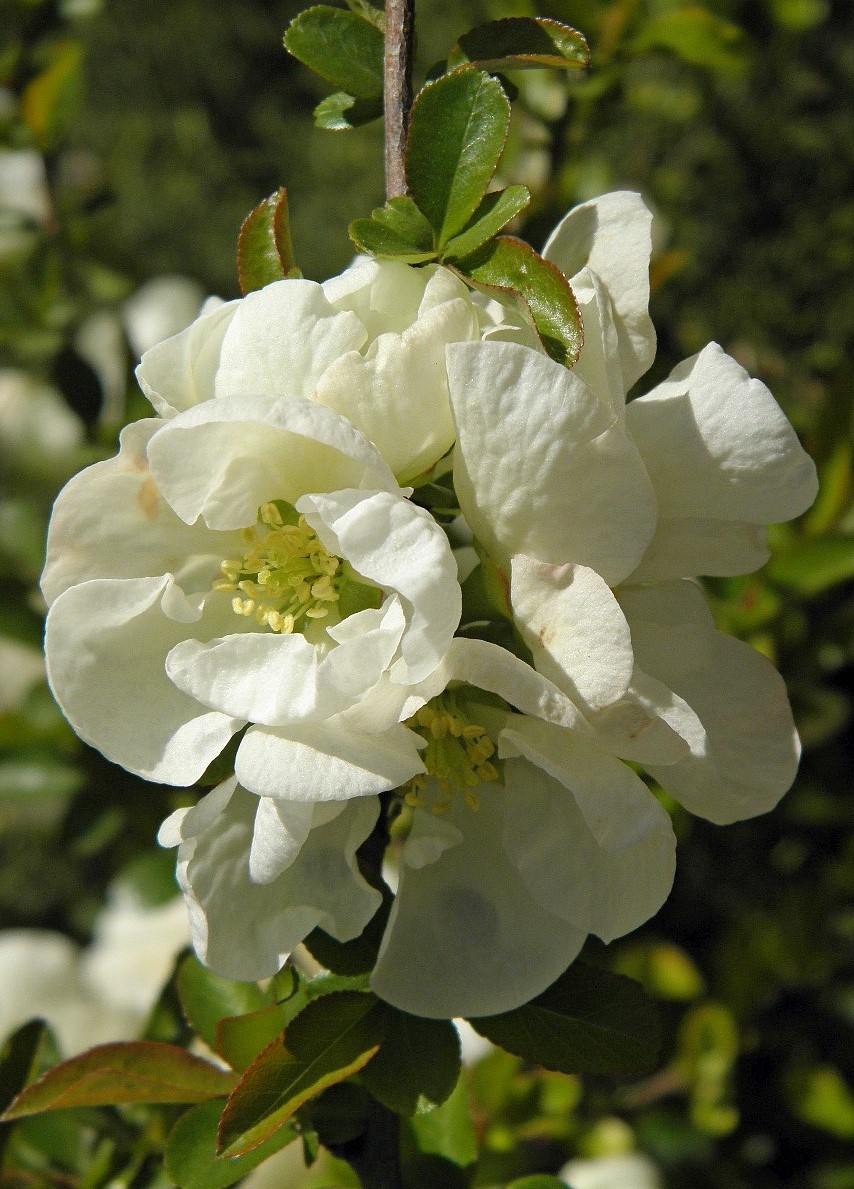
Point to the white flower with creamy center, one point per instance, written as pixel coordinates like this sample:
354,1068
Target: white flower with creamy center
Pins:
526,835
253,564
369,344
601,513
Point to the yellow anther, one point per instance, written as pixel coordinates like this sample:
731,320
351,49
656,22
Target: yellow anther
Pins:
472,800
456,756
224,585
316,612
439,726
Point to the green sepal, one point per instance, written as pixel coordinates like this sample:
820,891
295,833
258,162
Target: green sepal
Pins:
457,131
588,1021
397,230
264,250
494,212
340,112
418,1063
191,1159
510,270
343,47
519,43
331,1039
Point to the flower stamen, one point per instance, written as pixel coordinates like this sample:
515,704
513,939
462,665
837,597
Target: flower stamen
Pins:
457,755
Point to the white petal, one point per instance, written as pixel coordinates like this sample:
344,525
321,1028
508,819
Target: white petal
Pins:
465,937
612,235
245,930
718,446
385,295
281,340
541,467
179,372
106,643
223,459
281,828
599,364
400,547
573,625
110,521
650,725
326,761
492,668
588,881
682,548
745,755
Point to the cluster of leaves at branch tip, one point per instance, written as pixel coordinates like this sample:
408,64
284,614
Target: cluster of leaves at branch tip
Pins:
457,131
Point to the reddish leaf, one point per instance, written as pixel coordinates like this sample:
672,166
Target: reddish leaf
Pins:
264,250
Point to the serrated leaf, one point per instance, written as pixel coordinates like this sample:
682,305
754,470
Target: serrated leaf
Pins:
588,1021
342,47
508,268
191,1159
339,112
133,1071
418,1063
516,43
457,130
397,230
206,998
331,1039
264,250
374,16
493,213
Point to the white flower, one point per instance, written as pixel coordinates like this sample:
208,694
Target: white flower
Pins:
630,1171
574,493
98,994
501,879
368,344
247,562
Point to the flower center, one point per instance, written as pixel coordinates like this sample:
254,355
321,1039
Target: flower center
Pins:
457,755
287,577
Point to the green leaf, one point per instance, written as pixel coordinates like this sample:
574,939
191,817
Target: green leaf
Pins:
457,130
588,1021
342,47
509,269
440,1148
814,564
331,1039
339,112
191,1159
418,1063
516,43
397,230
20,1059
264,250
495,210
241,1038
207,999
537,1182
358,956
133,1071
367,11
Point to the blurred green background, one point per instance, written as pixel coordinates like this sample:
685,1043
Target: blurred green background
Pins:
134,137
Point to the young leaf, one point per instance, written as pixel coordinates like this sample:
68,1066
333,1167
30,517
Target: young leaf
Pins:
241,1038
457,129
264,250
495,210
331,1039
342,47
589,1021
507,267
417,1066
206,998
339,112
133,1071
397,229
517,43
191,1159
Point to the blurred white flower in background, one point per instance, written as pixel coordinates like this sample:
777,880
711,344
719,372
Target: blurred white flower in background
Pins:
629,1171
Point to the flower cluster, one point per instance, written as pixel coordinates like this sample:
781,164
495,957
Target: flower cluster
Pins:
257,567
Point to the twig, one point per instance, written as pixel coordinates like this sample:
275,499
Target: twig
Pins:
399,28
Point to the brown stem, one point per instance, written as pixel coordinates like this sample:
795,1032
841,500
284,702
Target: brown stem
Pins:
399,27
